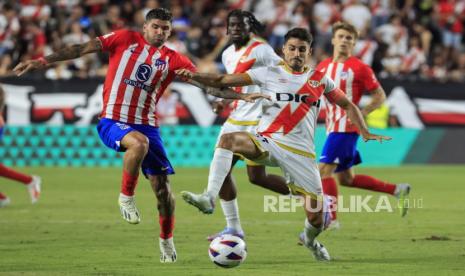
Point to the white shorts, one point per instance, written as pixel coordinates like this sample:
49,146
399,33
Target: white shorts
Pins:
230,128
301,172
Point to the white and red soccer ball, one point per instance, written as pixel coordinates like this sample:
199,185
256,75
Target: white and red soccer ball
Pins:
227,251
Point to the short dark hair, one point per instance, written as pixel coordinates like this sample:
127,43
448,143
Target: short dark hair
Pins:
342,25
255,26
159,13
299,33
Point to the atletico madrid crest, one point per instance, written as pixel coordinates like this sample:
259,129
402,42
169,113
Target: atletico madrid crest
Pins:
314,83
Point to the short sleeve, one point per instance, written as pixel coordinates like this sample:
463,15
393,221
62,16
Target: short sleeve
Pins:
112,40
258,75
329,84
268,56
183,62
370,82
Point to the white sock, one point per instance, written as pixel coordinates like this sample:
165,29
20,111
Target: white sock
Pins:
231,214
397,191
219,169
311,232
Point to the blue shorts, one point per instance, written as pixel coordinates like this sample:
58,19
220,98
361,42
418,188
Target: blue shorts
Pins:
155,162
1,132
341,148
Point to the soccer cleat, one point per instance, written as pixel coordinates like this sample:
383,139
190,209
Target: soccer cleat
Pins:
319,252
127,206
227,230
167,251
402,195
5,202
202,201
34,188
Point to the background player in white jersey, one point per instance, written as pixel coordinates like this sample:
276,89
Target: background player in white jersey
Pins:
140,68
246,52
285,134
340,152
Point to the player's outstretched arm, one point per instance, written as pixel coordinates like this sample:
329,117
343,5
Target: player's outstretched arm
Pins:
69,52
217,80
355,116
209,82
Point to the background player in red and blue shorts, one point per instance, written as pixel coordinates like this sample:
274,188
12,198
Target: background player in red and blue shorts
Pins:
32,182
340,152
140,69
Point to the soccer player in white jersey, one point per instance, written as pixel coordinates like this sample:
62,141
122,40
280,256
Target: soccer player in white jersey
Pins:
285,134
247,51
140,68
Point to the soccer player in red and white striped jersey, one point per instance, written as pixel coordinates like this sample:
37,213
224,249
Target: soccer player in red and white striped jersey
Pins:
140,68
32,182
339,153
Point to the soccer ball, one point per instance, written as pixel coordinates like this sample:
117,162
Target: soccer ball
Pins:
227,251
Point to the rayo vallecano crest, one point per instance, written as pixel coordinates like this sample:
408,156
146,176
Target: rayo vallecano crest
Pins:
314,83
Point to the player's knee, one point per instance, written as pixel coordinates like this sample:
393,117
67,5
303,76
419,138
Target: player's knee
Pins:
227,141
346,181
325,171
316,220
140,145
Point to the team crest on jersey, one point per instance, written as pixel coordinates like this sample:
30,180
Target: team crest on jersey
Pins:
314,83
344,75
160,64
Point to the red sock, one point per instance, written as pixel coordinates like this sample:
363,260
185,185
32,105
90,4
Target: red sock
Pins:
166,226
371,183
2,196
129,183
330,189
14,175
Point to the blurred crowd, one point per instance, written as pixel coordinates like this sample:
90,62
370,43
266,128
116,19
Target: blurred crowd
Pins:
398,38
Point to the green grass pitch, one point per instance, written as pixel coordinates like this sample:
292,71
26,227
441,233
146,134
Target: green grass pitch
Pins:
76,229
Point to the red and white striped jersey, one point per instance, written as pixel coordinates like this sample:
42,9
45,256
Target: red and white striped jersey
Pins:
290,117
256,53
354,78
137,76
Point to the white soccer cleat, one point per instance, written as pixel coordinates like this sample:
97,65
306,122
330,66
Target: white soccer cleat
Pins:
5,202
319,252
127,206
34,188
203,202
402,192
167,251
227,230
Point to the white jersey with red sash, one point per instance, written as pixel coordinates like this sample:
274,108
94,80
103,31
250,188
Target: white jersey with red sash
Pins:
290,117
256,53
